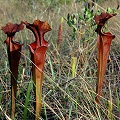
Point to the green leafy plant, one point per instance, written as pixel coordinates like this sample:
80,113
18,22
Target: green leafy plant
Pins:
78,20
72,22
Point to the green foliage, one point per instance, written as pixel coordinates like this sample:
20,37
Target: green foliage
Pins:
111,10
73,22
27,101
118,99
87,0
79,20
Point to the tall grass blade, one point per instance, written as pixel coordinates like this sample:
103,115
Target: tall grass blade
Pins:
27,101
110,106
52,70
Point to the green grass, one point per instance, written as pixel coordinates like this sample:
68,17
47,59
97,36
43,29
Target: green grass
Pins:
64,97
27,101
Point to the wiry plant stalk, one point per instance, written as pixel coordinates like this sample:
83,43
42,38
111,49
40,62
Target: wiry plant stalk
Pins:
104,43
110,105
13,49
60,34
38,55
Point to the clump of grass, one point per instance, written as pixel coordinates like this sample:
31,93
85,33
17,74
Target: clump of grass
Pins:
64,97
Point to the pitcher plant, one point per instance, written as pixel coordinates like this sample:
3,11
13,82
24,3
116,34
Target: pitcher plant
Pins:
38,56
13,49
104,43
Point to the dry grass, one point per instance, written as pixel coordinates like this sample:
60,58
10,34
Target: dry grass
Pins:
64,97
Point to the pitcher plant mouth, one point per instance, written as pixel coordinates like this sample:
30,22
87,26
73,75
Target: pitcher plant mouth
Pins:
13,50
104,42
38,56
